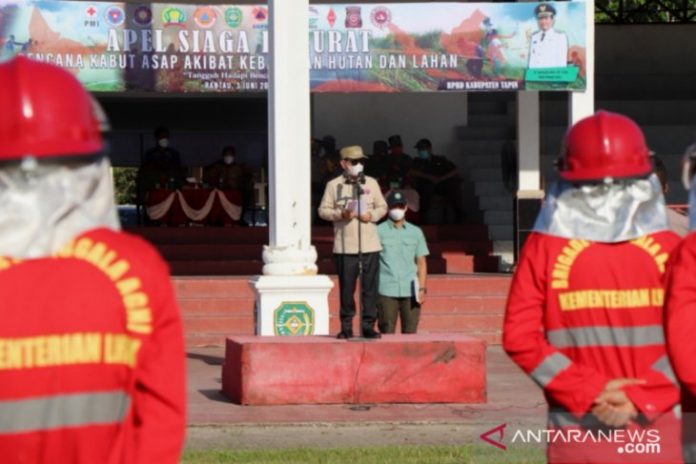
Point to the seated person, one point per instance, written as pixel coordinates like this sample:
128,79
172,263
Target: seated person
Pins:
435,175
228,174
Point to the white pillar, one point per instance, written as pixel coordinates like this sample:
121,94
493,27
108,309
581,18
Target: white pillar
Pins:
291,298
582,103
528,141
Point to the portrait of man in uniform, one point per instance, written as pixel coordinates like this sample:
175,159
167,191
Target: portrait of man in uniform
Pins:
548,47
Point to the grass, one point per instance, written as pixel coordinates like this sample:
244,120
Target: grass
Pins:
473,454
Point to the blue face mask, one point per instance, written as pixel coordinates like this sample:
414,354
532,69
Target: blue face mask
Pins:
423,154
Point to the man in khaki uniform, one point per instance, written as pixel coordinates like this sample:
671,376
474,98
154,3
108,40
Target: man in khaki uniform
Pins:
351,212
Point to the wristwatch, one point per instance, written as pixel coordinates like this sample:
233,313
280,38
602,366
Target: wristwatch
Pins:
423,289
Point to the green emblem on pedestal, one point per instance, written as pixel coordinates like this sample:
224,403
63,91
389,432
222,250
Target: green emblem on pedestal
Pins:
293,318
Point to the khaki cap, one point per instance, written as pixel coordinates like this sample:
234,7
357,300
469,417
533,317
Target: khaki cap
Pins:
353,152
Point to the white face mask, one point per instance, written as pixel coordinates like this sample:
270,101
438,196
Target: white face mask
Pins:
164,143
228,159
397,214
355,170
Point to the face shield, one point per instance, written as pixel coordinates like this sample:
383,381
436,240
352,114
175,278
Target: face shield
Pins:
44,206
605,212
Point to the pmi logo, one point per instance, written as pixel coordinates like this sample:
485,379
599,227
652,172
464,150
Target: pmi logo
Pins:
495,437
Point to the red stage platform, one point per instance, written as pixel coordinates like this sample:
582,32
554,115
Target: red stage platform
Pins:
432,368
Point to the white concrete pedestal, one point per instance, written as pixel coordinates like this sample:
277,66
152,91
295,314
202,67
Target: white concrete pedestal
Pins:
292,305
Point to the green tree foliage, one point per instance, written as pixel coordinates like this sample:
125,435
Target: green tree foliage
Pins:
124,185
645,11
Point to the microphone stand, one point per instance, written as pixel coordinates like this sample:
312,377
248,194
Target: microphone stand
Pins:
357,195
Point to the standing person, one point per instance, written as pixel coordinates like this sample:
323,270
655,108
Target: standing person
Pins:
548,47
162,154
403,269
678,223
397,164
436,175
92,365
377,163
584,313
680,317
331,157
350,213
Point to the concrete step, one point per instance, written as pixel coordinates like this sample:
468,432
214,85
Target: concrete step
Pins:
214,307
494,218
486,175
188,252
494,188
472,148
436,265
496,203
460,263
505,250
239,287
482,132
501,232
203,339
493,119
481,161
486,107
435,304
485,327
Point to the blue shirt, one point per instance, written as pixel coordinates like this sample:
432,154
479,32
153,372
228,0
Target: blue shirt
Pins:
397,260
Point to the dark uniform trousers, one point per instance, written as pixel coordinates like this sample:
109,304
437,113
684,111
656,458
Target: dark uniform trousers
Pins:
391,309
347,269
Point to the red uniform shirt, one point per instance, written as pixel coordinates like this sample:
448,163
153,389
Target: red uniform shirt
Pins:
581,313
680,328
91,356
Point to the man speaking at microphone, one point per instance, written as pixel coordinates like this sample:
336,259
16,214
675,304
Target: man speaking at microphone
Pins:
354,203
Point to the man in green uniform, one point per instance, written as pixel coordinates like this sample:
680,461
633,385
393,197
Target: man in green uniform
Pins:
403,269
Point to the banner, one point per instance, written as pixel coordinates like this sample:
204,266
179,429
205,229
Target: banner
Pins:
415,47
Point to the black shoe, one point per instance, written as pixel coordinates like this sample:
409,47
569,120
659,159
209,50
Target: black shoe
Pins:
371,333
345,334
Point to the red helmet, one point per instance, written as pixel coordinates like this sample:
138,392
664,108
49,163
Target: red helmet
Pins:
45,113
604,145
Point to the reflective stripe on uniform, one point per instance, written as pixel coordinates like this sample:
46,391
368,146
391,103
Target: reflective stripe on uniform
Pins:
52,412
606,336
549,368
663,366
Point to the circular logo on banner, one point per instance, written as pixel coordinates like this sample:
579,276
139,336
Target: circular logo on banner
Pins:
205,17
233,16
172,16
293,318
260,13
353,17
142,16
380,16
115,15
